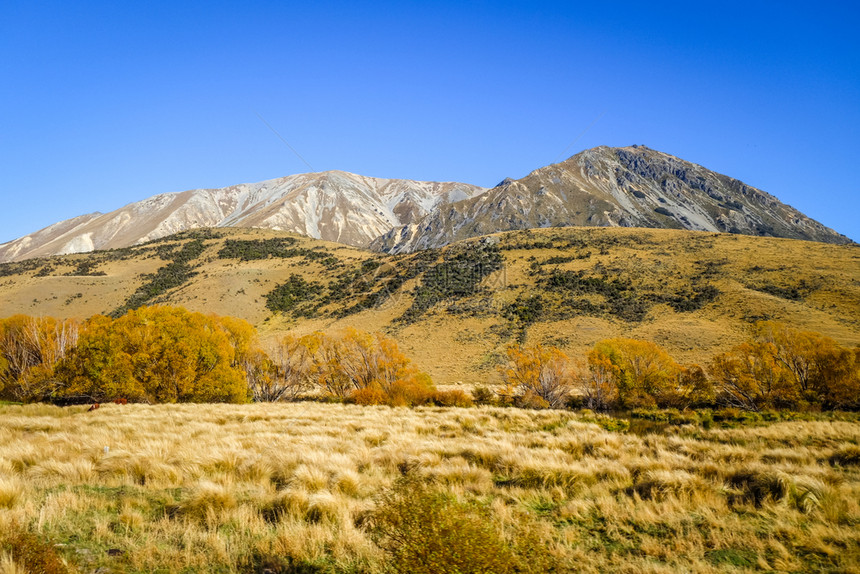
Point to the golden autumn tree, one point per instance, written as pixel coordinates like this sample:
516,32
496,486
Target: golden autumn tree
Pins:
100,366
155,354
30,350
644,374
282,374
352,361
821,370
600,388
691,387
785,367
750,377
838,377
242,336
544,373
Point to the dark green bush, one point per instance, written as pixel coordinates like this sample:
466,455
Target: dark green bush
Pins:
172,275
276,247
287,296
458,275
483,396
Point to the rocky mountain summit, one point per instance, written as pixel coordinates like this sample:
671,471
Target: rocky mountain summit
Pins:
626,187
332,205
606,187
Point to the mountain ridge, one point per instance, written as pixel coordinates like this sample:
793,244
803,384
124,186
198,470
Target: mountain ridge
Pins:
332,205
632,186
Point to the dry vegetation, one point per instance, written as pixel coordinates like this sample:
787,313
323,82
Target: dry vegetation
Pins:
311,487
694,294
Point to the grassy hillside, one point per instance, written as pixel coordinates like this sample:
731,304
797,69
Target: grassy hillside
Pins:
454,310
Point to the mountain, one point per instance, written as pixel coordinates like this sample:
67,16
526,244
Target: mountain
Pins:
332,205
612,187
601,187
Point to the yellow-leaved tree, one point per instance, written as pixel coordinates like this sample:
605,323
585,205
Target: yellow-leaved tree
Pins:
30,350
367,367
539,376
785,367
822,371
284,373
600,389
156,354
750,377
644,375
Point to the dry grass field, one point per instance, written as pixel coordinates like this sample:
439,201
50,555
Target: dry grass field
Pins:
313,487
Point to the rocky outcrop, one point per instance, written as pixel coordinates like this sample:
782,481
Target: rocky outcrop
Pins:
630,187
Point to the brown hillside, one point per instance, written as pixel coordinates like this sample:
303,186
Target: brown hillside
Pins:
454,310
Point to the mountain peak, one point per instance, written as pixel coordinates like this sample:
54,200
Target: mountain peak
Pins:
332,205
632,186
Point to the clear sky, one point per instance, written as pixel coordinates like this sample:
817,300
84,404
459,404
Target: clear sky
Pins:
106,103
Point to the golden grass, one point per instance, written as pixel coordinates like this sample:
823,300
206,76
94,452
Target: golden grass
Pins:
235,488
9,566
465,348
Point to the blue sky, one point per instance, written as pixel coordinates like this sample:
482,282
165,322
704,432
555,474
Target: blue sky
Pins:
103,104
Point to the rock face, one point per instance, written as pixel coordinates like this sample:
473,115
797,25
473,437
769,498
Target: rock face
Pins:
630,187
333,205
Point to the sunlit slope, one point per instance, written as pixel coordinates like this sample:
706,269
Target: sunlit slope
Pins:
454,310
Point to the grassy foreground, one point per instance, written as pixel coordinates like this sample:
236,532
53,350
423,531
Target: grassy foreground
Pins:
311,487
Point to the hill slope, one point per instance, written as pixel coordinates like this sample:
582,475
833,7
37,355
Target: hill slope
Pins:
608,187
456,309
332,205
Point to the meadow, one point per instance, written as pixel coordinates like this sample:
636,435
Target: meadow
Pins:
316,487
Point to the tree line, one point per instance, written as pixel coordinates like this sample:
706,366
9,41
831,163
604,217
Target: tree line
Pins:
777,368
162,354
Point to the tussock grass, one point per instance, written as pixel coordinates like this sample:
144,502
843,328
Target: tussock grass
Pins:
11,491
9,566
300,488
848,455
